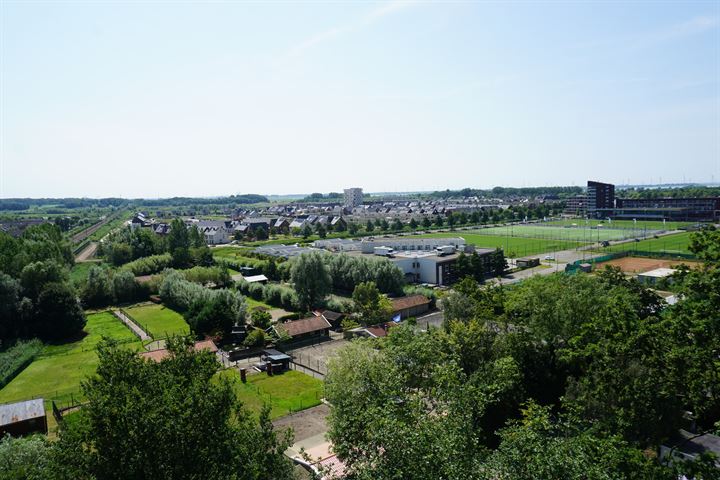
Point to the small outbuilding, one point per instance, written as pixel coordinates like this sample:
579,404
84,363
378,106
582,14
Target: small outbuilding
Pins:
654,276
410,306
304,328
279,361
527,262
23,418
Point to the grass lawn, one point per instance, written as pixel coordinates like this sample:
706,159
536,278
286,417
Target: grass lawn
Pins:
286,393
513,246
252,303
557,232
158,321
677,243
57,371
79,271
641,224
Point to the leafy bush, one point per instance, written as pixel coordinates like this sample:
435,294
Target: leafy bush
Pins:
256,338
149,265
206,311
204,275
16,358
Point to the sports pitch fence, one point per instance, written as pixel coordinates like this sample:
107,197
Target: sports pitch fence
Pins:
579,233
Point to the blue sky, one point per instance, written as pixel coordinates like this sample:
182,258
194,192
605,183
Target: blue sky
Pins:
194,98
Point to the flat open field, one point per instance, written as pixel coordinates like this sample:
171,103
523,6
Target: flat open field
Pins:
676,243
580,233
640,265
288,392
56,373
158,321
513,246
640,224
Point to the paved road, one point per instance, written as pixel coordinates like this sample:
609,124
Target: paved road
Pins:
86,253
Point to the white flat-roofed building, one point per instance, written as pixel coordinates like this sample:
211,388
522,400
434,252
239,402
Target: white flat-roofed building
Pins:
654,276
412,244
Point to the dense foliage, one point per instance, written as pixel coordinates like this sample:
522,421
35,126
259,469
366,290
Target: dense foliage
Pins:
36,296
206,311
17,357
559,377
168,420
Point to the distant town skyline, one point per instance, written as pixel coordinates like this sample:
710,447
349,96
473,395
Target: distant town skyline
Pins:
158,100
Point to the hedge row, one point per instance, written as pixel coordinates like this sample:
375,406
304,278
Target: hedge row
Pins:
16,358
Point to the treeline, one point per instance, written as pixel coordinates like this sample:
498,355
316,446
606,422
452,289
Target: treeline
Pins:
185,246
562,376
505,192
37,298
682,192
185,201
67,203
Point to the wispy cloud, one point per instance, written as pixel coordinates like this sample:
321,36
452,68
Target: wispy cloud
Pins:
652,38
373,16
694,26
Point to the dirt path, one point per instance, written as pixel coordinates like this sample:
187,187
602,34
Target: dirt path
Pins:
132,325
87,253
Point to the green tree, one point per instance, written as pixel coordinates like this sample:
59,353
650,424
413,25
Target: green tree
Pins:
179,244
320,230
260,318
439,221
307,231
311,279
353,228
369,226
98,291
413,224
261,233
256,338
397,225
58,313
169,420
426,223
370,306
26,458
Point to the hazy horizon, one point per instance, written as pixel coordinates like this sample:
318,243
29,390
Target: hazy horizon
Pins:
197,100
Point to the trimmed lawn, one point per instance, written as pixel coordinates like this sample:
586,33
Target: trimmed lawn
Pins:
158,321
285,393
513,246
79,271
641,224
676,243
252,303
56,373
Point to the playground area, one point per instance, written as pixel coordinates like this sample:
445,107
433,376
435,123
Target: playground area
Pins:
641,264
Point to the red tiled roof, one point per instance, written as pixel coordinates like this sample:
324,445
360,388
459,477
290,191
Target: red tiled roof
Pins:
408,302
158,355
304,325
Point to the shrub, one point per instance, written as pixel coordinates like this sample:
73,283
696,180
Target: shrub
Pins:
16,358
256,338
149,265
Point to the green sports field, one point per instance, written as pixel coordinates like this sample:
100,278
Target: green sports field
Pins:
640,224
513,246
589,234
669,244
158,321
56,373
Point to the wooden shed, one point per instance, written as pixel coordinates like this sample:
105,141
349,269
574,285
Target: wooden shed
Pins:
23,418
